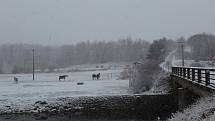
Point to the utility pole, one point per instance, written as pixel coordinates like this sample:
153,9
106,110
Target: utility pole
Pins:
33,63
182,53
182,50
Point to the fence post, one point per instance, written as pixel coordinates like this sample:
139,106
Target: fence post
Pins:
188,73
173,70
177,71
199,76
193,74
180,71
184,72
207,77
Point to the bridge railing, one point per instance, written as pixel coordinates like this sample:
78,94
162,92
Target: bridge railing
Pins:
204,76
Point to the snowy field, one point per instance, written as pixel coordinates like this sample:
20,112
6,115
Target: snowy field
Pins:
46,86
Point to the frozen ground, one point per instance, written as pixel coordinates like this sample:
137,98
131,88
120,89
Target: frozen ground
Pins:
46,86
204,109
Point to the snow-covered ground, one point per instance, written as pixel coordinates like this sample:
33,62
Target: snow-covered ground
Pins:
169,62
204,109
46,86
92,67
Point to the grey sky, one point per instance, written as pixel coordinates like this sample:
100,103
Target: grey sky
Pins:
69,21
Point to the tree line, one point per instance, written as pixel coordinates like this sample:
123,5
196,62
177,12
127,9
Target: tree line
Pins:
149,70
198,47
202,46
17,58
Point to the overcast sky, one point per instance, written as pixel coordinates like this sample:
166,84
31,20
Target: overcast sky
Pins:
69,21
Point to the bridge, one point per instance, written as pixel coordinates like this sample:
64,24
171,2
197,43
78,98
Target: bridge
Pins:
200,81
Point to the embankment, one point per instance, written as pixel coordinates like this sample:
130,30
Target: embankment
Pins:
146,107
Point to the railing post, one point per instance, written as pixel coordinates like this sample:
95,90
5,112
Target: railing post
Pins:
184,72
199,76
173,70
193,74
177,71
188,73
207,77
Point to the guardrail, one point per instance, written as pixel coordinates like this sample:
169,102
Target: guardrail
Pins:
204,76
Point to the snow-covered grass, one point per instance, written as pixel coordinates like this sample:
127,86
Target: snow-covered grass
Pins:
202,110
46,86
93,67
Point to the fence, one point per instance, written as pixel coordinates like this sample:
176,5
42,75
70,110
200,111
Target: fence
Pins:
204,76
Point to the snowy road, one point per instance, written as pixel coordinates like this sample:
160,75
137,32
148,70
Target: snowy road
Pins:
46,86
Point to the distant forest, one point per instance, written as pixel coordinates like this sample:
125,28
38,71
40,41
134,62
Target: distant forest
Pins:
202,47
17,58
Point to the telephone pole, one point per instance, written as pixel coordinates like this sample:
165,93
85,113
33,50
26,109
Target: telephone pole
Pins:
33,63
182,51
